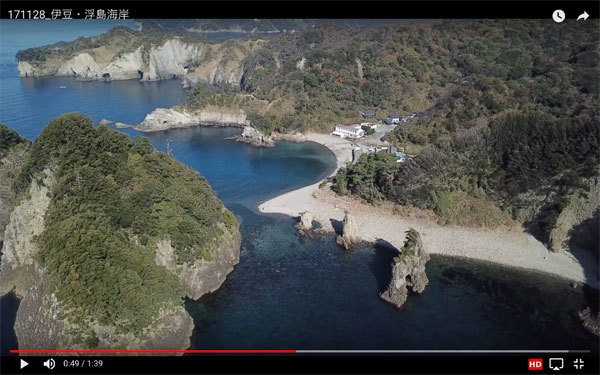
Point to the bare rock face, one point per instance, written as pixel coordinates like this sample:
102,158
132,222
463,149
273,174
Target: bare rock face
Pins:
350,234
408,271
193,62
37,324
10,165
26,221
202,276
170,60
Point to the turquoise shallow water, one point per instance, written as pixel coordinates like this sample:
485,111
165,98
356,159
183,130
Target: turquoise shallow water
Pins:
303,294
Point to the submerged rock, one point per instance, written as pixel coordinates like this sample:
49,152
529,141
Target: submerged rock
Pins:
349,236
122,125
408,271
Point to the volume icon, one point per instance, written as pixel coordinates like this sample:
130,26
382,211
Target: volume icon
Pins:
49,363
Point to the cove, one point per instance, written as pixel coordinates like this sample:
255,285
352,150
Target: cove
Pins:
288,293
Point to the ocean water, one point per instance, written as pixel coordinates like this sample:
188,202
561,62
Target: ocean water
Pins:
289,292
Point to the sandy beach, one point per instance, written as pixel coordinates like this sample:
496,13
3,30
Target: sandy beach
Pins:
341,147
510,247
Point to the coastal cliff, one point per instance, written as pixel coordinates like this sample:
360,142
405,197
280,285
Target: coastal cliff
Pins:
123,53
13,155
579,207
102,228
408,271
201,276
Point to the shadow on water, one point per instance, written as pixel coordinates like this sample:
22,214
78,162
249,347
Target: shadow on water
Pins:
9,304
338,226
381,263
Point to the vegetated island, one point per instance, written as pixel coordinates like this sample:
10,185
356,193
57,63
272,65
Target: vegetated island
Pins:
103,237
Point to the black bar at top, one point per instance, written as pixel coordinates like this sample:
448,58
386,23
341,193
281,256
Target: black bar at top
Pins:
320,9
303,364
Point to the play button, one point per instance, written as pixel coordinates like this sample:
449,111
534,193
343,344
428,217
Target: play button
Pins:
23,364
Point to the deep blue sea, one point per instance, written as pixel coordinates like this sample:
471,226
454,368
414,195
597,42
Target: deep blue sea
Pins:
289,293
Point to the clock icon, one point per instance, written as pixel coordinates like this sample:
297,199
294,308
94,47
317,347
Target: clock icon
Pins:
558,16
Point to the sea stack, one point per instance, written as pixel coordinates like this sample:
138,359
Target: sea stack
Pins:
408,270
305,225
349,236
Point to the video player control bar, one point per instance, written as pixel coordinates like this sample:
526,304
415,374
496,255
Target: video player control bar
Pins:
299,362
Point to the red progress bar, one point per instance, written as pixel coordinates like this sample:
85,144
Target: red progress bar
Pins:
153,351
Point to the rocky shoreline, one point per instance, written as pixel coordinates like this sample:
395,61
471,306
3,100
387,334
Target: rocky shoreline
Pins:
407,269
177,118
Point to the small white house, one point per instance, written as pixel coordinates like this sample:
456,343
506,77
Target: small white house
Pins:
348,131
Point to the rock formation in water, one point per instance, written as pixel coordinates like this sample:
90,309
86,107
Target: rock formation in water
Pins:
408,271
254,138
590,320
350,233
133,222
305,225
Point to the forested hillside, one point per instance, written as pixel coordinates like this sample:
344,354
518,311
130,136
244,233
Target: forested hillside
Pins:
516,137
511,115
460,74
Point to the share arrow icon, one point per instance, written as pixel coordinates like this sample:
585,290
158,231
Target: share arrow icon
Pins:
583,16
23,364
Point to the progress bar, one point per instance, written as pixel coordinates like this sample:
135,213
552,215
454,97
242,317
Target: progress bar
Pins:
563,351
444,351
